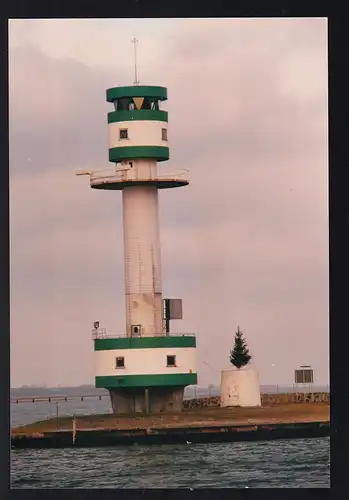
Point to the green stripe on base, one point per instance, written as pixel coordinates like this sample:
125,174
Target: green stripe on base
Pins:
174,380
135,115
144,342
137,91
159,153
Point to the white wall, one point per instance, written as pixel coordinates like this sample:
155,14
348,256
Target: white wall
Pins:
140,133
145,361
240,388
142,259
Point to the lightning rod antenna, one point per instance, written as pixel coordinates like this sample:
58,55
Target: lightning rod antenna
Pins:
135,41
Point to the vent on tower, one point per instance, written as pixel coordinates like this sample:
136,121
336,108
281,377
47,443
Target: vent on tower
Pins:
135,330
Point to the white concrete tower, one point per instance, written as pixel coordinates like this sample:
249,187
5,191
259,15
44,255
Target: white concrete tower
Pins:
148,368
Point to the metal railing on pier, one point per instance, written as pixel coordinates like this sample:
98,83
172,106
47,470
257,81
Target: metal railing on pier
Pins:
56,399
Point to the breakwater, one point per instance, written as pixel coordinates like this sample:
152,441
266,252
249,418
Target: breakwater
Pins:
175,435
200,424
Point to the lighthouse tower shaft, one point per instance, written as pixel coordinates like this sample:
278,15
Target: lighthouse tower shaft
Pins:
142,255
146,369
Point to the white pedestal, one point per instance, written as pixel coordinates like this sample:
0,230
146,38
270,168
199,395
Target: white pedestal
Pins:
240,388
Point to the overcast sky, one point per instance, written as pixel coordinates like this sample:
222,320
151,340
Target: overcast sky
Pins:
246,243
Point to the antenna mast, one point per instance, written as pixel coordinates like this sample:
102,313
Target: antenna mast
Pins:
135,41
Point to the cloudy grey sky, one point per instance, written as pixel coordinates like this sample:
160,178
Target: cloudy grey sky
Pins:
246,243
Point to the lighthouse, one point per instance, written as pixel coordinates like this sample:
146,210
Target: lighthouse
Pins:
146,367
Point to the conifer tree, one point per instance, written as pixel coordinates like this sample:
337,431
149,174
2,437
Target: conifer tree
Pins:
239,355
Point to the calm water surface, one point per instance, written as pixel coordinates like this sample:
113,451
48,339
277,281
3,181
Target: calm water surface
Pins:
277,464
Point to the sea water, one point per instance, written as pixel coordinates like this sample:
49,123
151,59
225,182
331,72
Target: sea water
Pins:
289,463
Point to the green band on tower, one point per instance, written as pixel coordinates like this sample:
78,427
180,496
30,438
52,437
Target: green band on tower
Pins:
137,91
145,342
142,114
170,380
159,153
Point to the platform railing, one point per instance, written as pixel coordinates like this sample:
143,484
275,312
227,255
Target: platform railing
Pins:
122,175
101,333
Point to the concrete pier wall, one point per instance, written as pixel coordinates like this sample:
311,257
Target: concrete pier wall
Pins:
179,435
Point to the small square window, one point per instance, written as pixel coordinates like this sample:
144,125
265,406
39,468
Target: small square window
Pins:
171,360
164,134
123,133
119,362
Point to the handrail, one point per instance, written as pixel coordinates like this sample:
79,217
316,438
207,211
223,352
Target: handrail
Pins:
55,399
113,171
102,335
122,176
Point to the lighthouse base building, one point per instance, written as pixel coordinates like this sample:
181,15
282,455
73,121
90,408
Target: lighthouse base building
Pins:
147,368
152,375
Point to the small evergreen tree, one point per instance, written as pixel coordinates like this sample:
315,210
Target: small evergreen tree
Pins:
239,355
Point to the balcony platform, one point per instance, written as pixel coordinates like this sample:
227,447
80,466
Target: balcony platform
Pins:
113,180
